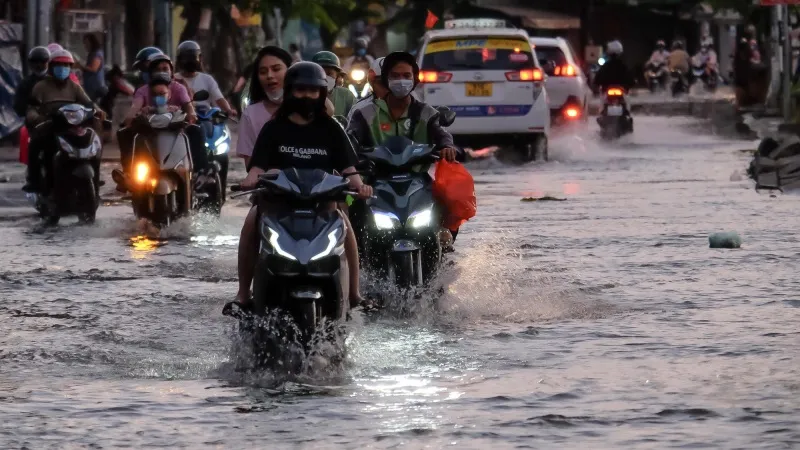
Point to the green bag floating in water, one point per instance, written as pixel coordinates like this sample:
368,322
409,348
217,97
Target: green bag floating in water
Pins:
728,239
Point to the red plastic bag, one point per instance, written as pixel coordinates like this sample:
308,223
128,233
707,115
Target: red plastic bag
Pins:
454,189
23,145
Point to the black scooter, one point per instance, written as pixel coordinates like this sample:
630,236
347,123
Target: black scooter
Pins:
301,276
615,119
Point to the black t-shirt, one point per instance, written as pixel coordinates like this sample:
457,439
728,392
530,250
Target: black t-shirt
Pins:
322,144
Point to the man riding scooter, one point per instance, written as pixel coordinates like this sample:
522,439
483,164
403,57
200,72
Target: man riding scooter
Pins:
49,94
706,59
341,98
401,114
678,62
190,66
655,68
615,73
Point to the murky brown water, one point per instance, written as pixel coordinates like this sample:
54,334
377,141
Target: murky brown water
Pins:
603,321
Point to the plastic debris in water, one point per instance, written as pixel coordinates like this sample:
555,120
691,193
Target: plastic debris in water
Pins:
728,239
542,199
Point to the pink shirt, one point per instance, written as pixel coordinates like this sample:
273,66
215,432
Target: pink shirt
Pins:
253,119
178,95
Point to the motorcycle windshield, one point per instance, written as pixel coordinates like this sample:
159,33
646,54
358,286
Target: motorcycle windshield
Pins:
399,152
306,184
402,196
206,113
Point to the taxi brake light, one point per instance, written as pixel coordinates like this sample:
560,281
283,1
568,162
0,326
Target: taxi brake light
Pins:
525,75
427,76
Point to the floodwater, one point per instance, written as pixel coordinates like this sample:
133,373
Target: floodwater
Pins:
601,321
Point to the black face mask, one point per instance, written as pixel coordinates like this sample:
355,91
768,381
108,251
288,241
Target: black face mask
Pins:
192,66
304,106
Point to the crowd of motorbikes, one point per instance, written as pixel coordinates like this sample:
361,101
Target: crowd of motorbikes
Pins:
660,78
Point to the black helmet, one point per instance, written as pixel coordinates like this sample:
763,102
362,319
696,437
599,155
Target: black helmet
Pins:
156,58
188,49
39,55
304,73
397,57
140,61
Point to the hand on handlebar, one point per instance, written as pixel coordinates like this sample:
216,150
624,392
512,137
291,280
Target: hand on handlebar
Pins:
365,191
249,182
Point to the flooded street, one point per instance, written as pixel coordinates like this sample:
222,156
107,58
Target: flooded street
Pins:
601,321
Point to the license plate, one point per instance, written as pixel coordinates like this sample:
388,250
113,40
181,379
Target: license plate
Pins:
614,110
479,89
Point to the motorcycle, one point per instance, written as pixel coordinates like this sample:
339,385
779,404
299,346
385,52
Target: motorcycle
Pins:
74,184
160,181
302,269
359,86
680,85
218,142
399,228
709,79
656,75
613,120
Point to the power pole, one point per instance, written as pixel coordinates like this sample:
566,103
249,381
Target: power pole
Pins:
787,64
162,15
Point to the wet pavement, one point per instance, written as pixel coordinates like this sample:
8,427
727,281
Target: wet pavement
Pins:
601,321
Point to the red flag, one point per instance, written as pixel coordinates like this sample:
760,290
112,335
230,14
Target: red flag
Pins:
431,20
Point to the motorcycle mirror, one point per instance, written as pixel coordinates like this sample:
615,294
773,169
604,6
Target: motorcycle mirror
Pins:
201,96
446,116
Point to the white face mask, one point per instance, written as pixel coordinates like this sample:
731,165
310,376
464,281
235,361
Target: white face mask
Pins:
401,88
331,83
277,97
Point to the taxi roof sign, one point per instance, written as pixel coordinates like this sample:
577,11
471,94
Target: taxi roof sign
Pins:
475,23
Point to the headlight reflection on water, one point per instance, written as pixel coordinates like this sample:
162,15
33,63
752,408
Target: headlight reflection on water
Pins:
142,246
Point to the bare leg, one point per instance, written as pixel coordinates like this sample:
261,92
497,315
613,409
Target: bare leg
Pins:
247,256
351,252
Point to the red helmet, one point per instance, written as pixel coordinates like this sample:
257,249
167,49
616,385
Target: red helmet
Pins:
61,57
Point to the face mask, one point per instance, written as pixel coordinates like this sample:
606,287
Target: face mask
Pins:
163,74
401,88
361,52
61,72
192,66
331,83
145,77
160,100
304,106
275,97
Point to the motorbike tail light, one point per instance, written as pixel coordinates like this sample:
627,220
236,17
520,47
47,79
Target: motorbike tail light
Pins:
615,92
572,112
566,70
428,76
525,75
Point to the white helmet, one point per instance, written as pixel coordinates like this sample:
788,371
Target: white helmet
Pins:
376,66
614,48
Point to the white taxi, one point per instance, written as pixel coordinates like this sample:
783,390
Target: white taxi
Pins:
489,75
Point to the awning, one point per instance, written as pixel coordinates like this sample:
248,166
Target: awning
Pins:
535,18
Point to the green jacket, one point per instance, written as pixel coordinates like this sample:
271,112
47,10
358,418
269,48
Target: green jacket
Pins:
371,123
342,100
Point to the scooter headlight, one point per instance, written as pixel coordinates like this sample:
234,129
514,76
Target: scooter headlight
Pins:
221,146
333,239
74,116
357,75
385,221
273,241
421,219
142,170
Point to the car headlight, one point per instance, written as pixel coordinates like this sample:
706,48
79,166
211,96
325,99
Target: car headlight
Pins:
421,219
273,241
357,75
74,116
385,221
332,241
